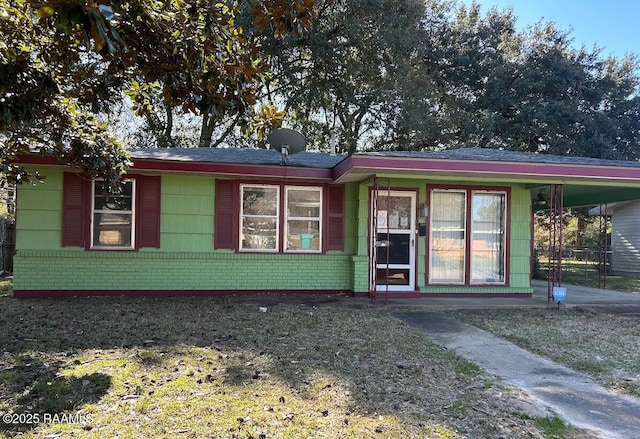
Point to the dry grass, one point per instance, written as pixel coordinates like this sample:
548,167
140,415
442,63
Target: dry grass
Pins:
198,367
604,346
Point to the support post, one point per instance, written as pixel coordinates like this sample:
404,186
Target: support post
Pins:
555,238
603,251
373,243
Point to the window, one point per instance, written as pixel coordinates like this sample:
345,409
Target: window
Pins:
263,216
488,237
468,236
112,219
448,236
129,220
259,218
302,224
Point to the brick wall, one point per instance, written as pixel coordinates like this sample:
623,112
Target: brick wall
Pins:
78,270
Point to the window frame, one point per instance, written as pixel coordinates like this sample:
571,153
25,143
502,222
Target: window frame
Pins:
282,217
132,212
320,218
469,232
472,260
241,217
464,230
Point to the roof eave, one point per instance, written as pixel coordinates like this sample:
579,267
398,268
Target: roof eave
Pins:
233,169
191,167
364,166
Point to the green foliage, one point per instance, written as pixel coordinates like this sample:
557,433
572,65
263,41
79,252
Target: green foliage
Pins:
349,72
379,74
64,62
579,230
420,75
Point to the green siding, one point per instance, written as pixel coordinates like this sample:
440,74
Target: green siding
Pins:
187,214
187,260
520,249
361,261
39,224
519,263
350,218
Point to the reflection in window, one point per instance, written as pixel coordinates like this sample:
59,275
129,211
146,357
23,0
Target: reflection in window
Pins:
488,237
477,248
263,215
447,236
303,216
112,218
259,217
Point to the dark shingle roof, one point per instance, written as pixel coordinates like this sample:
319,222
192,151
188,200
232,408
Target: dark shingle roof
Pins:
324,160
243,156
497,155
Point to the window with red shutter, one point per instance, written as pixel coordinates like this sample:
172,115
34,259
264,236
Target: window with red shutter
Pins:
79,213
228,205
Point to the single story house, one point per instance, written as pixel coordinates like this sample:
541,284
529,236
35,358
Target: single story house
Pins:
625,235
208,221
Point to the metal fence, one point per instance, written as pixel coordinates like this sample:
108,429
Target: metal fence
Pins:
7,246
583,254
577,263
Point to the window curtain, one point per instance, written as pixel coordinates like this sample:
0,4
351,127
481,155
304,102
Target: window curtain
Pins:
447,236
488,238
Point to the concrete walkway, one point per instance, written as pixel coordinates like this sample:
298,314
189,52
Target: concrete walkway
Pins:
595,299
573,396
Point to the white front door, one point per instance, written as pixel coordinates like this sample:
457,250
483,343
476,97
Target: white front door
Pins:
394,240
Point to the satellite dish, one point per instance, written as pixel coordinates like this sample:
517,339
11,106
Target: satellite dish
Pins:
287,141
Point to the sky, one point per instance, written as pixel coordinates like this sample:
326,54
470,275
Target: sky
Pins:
614,25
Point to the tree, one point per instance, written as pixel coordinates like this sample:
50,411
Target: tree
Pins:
347,75
420,75
473,51
567,101
65,61
533,91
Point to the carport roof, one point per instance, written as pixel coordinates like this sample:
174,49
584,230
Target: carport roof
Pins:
500,155
586,181
478,162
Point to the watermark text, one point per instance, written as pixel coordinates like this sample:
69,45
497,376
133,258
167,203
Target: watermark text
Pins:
46,418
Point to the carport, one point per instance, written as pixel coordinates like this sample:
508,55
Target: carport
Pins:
574,193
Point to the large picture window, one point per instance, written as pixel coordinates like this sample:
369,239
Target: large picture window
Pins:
448,236
487,237
112,219
468,236
263,215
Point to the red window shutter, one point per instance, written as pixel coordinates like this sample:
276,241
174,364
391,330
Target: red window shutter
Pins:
226,224
74,210
148,214
335,218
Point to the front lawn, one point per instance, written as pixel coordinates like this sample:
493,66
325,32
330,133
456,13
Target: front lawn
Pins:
203,367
